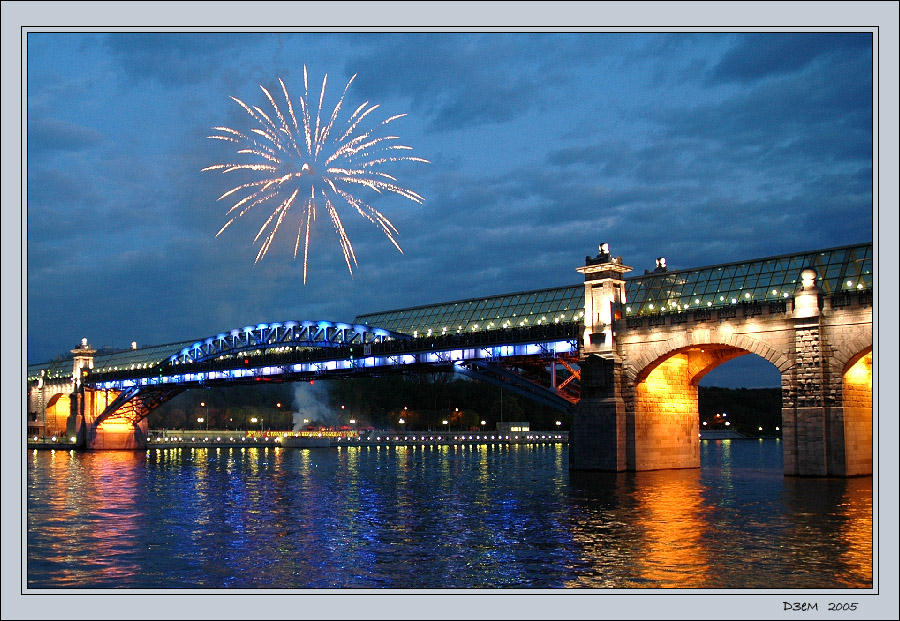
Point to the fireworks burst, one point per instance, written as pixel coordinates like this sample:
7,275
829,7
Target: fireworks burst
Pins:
302,164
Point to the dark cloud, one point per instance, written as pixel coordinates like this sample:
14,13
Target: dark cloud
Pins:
760,55
48,134
175,59
825,101
465,80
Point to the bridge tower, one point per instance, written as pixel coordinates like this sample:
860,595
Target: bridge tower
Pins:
87,404
82,363
604,297
598,437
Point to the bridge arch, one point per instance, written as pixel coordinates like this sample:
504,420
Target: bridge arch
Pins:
57,411
719,349
663,417
851,349
855,443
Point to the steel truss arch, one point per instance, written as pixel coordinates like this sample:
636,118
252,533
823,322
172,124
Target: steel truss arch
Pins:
136,403
318,334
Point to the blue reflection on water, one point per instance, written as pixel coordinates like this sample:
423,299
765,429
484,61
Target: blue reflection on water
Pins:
438,517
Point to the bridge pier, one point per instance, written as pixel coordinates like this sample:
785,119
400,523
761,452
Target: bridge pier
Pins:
666,419
599,436
125,436
826,408
115,433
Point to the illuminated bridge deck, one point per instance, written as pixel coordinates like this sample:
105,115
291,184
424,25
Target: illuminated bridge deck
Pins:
291,364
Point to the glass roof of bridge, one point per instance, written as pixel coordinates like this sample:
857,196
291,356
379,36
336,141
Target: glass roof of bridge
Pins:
847,268
527,308
768,279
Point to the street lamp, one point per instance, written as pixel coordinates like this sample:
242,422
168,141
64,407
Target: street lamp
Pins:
558,423
200,422
447,423
205,414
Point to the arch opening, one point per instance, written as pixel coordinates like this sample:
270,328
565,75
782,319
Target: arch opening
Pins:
665,422
58,408
857,414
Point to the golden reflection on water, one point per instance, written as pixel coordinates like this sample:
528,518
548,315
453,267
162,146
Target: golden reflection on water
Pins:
671,513
856,531
92,501
663,539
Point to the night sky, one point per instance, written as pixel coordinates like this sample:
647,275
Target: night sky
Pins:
700,147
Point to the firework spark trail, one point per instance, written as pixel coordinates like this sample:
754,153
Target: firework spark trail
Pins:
297,156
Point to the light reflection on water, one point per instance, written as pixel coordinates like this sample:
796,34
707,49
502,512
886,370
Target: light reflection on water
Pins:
438,517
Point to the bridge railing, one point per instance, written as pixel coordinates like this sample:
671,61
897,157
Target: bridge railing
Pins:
742,309
849,298
839,299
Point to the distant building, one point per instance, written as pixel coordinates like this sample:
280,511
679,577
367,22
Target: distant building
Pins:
521,426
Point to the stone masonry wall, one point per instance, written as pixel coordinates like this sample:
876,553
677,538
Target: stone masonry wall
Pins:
665,418
857,414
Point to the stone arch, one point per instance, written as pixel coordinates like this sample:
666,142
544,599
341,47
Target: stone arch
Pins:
853,450
851,349
856,357
119,419
661,393
652,355
57,412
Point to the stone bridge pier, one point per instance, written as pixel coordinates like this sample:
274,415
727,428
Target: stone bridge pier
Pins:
639,378
98,429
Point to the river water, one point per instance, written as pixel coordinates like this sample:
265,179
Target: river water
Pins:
438,517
